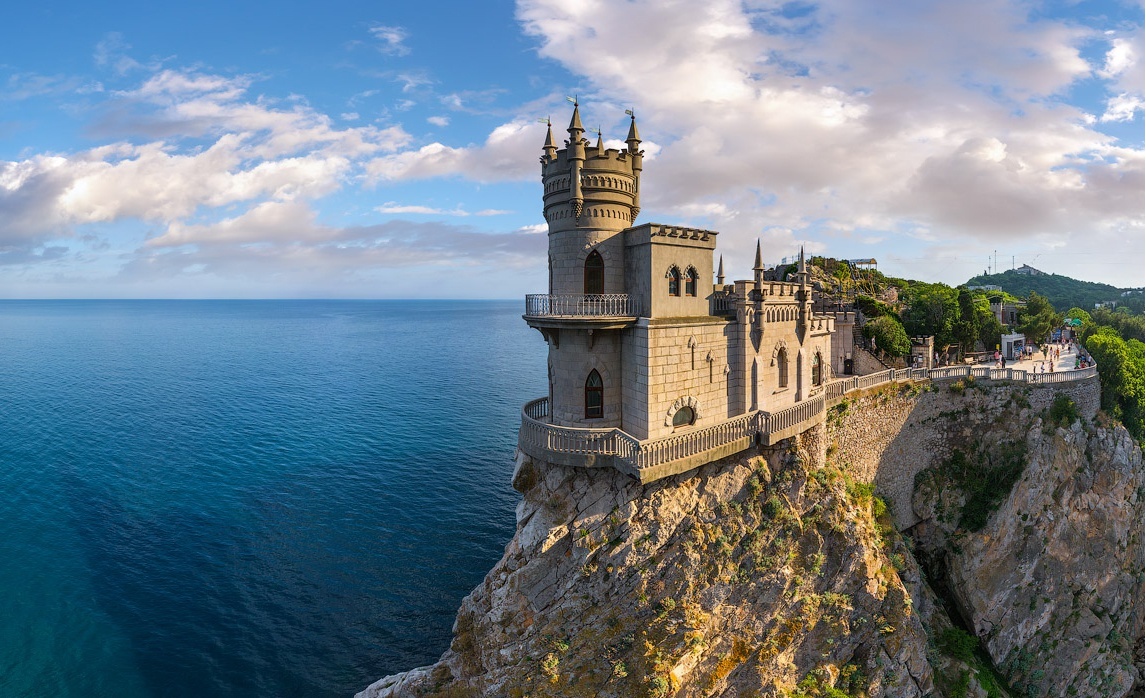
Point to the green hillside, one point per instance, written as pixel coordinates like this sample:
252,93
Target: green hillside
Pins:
1063,291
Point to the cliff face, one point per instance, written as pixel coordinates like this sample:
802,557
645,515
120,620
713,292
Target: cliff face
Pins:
776,572
1053,582
761,574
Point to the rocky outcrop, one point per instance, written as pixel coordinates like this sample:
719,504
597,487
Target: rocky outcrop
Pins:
778,573
1052,582
760,574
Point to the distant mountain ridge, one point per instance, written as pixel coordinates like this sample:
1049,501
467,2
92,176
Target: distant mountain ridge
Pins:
1062,291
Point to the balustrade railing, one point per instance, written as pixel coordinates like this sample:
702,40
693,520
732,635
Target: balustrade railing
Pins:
595,305
537,433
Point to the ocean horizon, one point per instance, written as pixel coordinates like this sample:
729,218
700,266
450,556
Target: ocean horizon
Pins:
249,497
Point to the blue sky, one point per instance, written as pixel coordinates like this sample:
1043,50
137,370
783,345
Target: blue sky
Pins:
362,150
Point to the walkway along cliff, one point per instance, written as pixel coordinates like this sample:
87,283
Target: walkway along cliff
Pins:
706,511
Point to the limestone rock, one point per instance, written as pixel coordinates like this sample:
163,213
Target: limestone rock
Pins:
750,576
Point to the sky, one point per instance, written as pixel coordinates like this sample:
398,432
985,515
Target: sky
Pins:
390,150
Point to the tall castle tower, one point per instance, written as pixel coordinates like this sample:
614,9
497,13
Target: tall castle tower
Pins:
591,194
653,369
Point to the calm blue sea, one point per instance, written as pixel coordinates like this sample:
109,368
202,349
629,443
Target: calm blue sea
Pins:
249,498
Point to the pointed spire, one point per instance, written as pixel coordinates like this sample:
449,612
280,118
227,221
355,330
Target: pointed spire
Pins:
759,266
600,143
720,272
550,147
803,269
634,138
575,122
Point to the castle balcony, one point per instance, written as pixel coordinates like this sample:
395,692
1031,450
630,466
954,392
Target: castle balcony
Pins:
592,311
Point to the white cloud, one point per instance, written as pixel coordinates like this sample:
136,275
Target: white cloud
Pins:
392,39
509,153
441,121
391,207
1122,107
949,118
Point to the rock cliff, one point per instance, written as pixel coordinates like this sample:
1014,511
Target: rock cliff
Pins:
778,573
1052,581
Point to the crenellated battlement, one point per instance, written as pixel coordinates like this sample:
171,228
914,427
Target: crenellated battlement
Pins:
587,186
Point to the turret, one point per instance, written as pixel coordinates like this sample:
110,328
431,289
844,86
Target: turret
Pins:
720,272
758,268
550,147
575,154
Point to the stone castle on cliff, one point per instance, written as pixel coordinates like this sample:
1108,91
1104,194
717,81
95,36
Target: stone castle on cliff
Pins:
654,369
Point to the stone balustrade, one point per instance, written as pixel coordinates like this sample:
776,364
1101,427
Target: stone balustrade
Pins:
653,459
592,305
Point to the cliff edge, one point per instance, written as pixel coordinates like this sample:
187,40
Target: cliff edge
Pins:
778,573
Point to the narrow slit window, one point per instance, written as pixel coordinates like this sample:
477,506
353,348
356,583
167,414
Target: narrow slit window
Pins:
817,369
782,368
674,281
594,274
594,396
690,280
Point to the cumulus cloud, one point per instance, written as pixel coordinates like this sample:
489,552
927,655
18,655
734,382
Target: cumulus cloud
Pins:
509,153
848,119
217,149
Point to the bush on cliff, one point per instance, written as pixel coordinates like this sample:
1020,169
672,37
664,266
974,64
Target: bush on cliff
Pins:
889,335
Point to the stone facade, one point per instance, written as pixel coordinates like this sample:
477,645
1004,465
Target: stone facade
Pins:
688,353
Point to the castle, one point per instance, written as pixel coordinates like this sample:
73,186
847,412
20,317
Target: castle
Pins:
653,368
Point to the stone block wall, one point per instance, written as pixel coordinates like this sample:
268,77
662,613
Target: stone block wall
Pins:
570,362
680,372
568,250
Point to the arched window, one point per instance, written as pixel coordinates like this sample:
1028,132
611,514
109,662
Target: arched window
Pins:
782,368
674,281
594,396
594,273
683,417
690,278
817,369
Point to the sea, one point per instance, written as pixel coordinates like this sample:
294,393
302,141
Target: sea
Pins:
249,498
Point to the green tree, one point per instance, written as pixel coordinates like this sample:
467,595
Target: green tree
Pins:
1038,318
966,329
932,309
1121,373
889,335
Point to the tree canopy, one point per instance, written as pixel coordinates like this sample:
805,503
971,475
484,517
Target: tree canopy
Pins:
889,335
1038,318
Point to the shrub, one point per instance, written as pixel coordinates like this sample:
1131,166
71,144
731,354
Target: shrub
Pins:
958,644
1063,412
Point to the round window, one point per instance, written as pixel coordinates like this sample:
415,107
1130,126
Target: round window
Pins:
683,417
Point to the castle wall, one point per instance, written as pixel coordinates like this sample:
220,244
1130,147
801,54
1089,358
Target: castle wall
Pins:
568,250
570,362
842,340
686,361
651,250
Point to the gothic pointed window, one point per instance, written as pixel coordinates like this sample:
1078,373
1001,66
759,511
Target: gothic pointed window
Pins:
594,273
594,396
690,279
674,281
782,368
817,369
